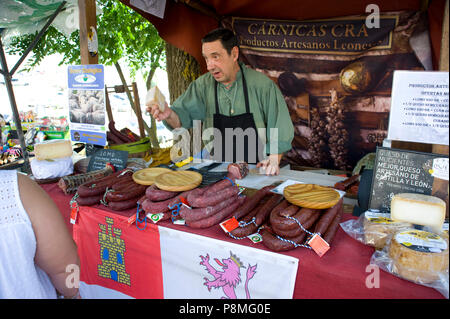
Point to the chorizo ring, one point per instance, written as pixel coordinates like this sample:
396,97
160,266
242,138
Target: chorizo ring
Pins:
272,242
267,208
219,216
282,223
155,194
206,200
132,191
327,217
251,202
193,214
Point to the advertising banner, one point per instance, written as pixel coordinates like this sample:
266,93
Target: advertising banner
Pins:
336,76
87,108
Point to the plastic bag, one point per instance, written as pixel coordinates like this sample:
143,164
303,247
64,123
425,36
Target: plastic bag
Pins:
373,228
418,256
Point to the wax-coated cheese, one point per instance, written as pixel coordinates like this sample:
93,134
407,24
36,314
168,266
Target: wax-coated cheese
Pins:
154,95
53,149
418,255
419,209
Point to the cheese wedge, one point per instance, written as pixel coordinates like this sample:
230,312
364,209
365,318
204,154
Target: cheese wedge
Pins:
419,209
154,95
53,149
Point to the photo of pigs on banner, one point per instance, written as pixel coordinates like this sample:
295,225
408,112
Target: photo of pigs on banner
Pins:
352,85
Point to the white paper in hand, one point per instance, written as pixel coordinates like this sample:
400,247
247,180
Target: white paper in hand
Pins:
155,95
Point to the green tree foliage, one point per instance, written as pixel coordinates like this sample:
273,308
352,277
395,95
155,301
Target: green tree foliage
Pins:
122,33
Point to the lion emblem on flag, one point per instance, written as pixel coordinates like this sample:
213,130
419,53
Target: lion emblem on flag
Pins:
229,277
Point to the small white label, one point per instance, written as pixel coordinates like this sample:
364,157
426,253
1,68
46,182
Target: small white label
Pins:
440,168
255,238
155,217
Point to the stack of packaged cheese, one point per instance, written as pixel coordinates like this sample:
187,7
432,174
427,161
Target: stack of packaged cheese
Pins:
411,242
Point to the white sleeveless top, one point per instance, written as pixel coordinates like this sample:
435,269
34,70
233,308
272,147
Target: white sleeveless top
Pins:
19,276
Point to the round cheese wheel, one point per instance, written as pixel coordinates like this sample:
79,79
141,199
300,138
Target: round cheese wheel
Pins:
378,228
418,256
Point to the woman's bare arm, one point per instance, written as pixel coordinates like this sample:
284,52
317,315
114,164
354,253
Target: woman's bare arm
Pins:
55,248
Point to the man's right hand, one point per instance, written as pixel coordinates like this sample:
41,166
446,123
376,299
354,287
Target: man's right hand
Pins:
153,109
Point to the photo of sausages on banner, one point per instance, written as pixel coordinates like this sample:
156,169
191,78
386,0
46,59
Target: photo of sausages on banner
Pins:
336,77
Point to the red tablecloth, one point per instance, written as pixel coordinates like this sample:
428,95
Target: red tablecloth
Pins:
340,274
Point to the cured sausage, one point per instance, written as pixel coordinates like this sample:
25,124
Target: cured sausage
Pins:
218,217
217,186
155,194
327,217
294,232
331,231
98,187
70,183
250,228
275,244
251,202
206,199
156,207
264,212
118,134
237,170
301,214
125,204
132,191
113,138
347,183
123,184
193,214
89,201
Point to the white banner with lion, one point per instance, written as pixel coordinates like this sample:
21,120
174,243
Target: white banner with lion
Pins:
199,267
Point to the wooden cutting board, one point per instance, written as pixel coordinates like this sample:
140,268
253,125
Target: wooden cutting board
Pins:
147,176
311,196
178,181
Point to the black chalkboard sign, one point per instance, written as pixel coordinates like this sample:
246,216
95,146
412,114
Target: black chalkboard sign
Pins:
400,171
117,158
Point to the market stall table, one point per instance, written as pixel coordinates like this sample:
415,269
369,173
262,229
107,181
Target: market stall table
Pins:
342,273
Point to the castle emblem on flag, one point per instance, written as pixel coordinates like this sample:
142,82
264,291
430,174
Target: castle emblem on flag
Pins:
112,249
230,277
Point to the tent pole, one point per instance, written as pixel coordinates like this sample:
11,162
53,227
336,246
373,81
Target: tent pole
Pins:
12,100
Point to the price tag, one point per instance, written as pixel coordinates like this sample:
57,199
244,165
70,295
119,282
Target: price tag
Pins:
73,213
131,219
319,245
255,238
155,217
229,224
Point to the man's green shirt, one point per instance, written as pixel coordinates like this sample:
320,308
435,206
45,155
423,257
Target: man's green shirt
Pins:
266,103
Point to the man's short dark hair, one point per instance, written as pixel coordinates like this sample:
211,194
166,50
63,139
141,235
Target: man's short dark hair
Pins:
226,36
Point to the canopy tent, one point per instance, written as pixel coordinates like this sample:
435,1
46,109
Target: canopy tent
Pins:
23,17
185,22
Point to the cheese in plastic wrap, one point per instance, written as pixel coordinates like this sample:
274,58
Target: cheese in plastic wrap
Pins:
53,168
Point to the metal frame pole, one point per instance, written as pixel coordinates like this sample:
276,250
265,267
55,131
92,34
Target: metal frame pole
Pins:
9,87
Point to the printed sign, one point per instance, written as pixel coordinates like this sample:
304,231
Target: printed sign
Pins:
117,158
319,36
400,171
87,108
419,108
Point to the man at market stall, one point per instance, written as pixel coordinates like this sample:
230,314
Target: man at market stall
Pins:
237,99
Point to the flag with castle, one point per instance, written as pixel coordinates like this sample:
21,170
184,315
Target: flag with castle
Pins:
120,260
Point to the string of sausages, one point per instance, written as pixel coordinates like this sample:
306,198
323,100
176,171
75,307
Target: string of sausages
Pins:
284,226
117,191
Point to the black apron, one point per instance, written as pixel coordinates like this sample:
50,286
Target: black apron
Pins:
235,138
